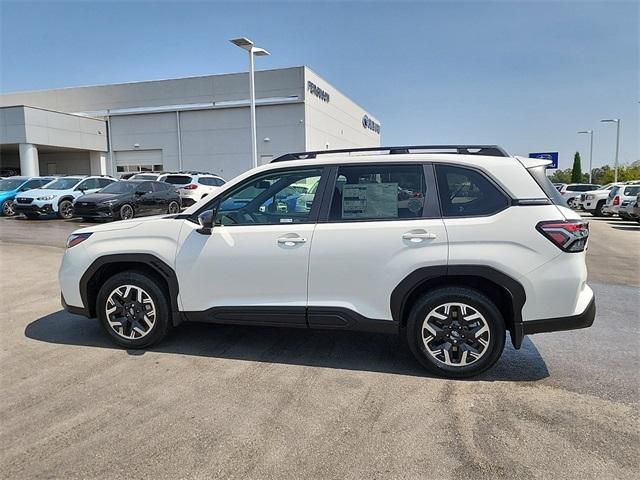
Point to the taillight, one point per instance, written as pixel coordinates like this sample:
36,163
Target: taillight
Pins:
192,186
616,200
568,235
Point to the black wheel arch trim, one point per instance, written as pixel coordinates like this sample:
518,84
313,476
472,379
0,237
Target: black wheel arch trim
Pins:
415,279
572,322
148,260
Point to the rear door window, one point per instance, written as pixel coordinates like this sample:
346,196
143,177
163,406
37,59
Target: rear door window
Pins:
378,192
467,193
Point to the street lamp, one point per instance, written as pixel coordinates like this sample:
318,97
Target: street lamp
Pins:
590,132
615,169
248,45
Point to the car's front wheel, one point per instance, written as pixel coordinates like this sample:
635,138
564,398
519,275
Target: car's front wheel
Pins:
8,209
455,332
65,209
133,309
126,212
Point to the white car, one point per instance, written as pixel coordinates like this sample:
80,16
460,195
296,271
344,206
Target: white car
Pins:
57,197
450,250
571,192
193,187
620,196
594,201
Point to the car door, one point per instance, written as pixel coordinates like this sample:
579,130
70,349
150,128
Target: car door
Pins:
145,198
380,222
160,198
253,267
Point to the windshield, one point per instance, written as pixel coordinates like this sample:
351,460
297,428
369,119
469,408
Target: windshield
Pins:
119,187
10,184
62,184
177,179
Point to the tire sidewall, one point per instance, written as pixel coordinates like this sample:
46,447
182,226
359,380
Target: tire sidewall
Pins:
133,212
157,294
4,205
60,214
177,205
467,296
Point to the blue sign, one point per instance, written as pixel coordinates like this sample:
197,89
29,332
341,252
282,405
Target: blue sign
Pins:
553,156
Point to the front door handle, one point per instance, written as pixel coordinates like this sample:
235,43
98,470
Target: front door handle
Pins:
418,237
291,241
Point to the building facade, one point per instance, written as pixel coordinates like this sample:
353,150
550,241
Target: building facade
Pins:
196,123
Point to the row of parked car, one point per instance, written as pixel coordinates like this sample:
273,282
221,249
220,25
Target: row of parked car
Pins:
621,198
103,197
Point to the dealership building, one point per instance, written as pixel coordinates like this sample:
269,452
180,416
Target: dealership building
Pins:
195,123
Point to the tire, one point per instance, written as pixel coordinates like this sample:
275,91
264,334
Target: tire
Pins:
7,208
572,203
174,208
134,331
599,207
65,209
434,315
126,212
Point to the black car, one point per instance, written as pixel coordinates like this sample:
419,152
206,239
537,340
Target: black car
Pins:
128,199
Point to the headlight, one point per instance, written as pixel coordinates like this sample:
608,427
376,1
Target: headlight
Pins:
76,238
48,197
109,202
590,197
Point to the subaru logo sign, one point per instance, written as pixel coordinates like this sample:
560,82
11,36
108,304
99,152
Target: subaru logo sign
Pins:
371,124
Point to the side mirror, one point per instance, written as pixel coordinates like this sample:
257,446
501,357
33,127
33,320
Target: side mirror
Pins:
206,220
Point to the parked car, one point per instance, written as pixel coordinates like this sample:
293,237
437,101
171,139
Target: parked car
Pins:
594,201
10,187
571,192
620,196
635,210
450,271
559,186
126,199
193,187
57,196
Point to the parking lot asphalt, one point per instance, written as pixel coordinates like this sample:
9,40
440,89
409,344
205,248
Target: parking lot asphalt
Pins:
241,402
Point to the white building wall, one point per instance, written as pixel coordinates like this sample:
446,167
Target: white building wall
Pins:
336,123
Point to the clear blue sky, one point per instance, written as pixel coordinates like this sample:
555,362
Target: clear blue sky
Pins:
527,76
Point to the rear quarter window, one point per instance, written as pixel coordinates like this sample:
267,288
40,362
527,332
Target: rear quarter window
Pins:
631,191
468,193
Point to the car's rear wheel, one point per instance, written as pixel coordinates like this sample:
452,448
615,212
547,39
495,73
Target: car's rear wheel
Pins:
126,212
65,209
455,332
173,208
133,309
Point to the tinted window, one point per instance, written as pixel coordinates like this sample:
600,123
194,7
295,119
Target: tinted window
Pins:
145,187
103,182
539,174
159,186
269,199
211,181
33,184
378,192
465,192
119,187
631,191
178,179
10,184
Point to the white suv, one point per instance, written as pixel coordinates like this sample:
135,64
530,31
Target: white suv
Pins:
449,250
193,187
57,196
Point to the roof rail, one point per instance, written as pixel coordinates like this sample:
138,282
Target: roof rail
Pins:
488,150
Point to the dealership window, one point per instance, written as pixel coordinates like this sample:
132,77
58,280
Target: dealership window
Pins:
269,199
139,168
466,192
378,192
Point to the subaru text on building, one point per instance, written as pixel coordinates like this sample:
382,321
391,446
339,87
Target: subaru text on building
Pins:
449,250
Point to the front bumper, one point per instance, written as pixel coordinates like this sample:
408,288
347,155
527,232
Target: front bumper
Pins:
40,208
92,210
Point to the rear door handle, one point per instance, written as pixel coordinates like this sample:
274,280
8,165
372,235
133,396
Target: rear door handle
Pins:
418,237
291,241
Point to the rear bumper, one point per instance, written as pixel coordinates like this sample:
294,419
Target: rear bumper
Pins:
574,322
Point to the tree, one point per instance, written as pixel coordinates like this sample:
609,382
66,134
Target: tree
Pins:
576,172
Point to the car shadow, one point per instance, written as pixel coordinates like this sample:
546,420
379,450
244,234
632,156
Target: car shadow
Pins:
317,348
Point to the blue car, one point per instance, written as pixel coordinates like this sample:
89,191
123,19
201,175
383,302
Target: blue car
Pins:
10,187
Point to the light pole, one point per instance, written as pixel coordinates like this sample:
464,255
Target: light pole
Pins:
248,45
590,132
615,168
